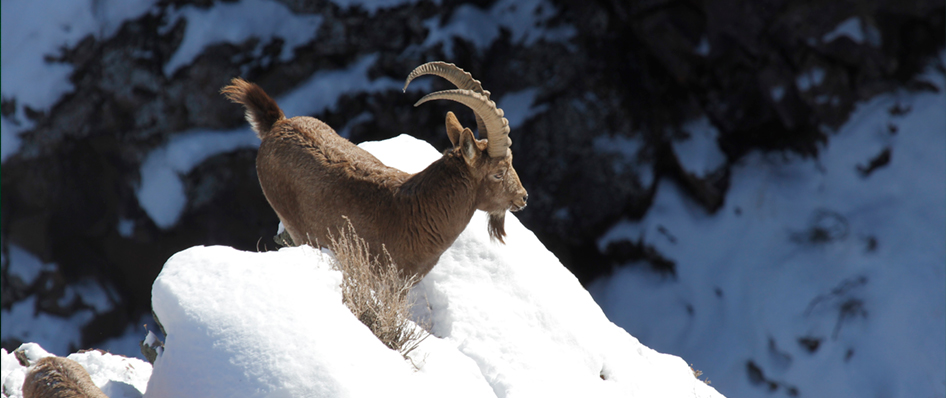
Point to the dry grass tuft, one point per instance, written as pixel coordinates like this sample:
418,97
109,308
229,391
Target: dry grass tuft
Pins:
698,373
376,292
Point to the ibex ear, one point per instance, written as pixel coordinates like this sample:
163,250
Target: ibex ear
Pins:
453,128
468,146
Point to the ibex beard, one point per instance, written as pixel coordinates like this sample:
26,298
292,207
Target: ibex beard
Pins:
314,179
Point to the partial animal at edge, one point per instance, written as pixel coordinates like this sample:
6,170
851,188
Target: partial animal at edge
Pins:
57,377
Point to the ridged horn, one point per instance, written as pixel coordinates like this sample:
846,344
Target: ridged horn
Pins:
496,126
454,74
459,77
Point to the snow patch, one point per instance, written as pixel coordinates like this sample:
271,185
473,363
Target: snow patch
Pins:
373,6
322,91
627,150
391,152
518,106
526,20
115,375
161,193
59,335
619,144
363,117
25,265
33,30
778,92
91,293
700,154
11,374
807,80
850,28
126,227
10,137
622,230
703,49
855,29
25,322
265,20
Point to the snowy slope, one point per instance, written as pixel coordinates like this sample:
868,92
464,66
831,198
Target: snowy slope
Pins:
506,321
817,278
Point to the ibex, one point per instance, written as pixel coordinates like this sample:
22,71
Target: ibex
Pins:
57,377
315,180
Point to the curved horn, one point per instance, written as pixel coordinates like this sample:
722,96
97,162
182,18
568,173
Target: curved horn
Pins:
497,127
459,77
454,74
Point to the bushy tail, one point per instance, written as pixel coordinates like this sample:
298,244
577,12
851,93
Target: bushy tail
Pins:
261,111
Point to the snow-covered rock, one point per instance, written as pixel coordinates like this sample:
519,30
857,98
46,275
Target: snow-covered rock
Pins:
506,320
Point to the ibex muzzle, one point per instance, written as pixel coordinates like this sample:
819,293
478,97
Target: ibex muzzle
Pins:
315,179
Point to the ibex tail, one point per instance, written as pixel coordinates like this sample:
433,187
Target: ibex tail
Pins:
261,111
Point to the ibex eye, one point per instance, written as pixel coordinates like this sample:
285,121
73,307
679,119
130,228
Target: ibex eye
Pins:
499,175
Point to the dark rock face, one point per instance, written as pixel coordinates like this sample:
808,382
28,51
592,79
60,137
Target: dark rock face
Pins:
767,75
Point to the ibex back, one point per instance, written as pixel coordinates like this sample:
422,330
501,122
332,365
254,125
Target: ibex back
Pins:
315,180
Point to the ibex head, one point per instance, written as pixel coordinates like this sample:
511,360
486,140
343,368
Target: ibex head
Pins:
489,160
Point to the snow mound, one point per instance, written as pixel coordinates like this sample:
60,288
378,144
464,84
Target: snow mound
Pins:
117,376
213,25
507,320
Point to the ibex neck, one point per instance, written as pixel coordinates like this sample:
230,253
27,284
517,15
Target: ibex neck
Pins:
442,197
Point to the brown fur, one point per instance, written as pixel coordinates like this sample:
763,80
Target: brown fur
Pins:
312,177
57,377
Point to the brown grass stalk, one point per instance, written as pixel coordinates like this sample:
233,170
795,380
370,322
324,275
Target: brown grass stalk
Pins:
376,293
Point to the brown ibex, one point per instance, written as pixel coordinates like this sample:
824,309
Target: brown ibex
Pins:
314,179
57,377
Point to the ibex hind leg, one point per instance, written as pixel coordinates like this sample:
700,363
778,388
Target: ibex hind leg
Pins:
284,239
